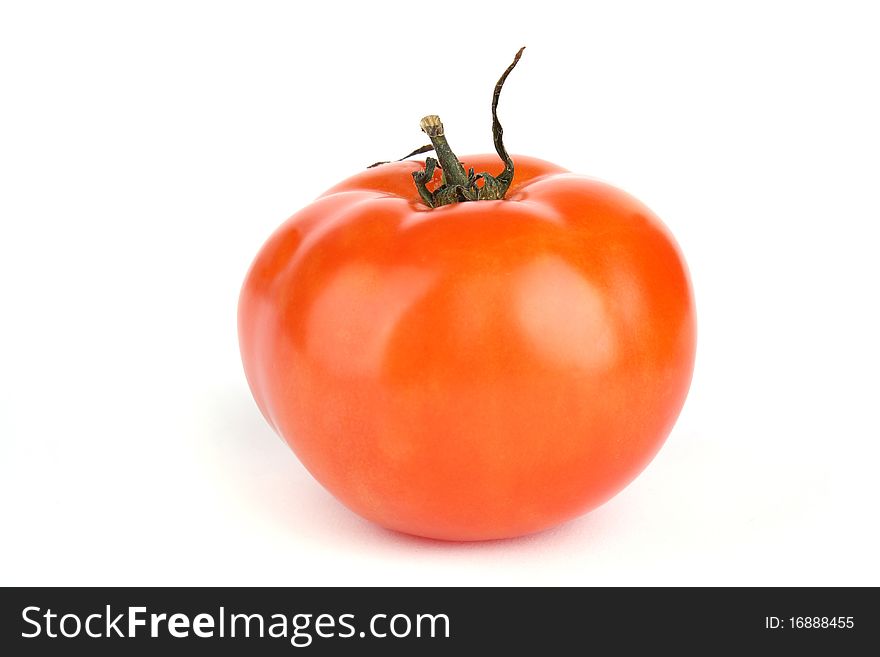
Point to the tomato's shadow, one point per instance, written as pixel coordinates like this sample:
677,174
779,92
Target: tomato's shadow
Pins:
542,537
259,469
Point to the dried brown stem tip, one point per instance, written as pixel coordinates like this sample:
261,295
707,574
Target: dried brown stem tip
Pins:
431,126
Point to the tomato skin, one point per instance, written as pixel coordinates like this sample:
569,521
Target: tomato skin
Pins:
476,371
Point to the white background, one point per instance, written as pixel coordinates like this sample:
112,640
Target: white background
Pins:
148,149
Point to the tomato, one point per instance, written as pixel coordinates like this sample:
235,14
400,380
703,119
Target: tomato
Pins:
470,356
479,370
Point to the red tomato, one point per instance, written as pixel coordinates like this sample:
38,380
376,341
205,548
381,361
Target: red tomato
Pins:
475,371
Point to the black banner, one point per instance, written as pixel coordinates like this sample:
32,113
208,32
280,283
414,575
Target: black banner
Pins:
435,621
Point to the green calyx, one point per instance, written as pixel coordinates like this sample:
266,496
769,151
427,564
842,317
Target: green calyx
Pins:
458,186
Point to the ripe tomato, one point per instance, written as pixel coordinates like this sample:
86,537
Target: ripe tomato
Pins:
474,371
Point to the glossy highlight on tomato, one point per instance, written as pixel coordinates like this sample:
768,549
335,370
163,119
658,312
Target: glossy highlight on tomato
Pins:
475,371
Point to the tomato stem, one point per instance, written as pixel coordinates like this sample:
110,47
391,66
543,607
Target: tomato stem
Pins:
457,185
